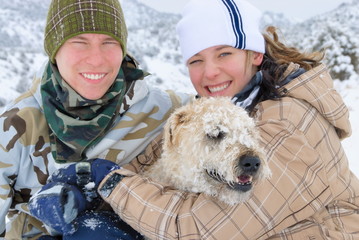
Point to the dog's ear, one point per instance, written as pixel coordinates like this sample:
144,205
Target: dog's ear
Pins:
182,117
179,117
174,123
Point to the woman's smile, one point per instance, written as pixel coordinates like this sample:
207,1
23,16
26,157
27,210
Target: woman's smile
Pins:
219,87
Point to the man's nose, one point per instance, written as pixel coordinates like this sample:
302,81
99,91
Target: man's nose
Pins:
95,56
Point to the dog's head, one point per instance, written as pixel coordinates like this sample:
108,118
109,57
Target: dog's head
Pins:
218,147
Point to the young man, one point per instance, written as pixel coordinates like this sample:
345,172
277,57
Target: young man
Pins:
89,101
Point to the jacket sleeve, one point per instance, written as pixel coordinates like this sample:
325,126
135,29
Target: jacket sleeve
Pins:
9,157
5,200
23,161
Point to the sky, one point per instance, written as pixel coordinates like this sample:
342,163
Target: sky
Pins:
299,10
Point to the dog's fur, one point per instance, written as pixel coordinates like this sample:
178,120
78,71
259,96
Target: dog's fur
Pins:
208,147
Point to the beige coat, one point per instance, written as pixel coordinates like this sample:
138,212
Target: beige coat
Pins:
312,193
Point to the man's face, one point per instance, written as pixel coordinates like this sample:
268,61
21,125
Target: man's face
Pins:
89,63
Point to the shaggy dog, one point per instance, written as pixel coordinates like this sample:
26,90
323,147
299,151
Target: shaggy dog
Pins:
211,146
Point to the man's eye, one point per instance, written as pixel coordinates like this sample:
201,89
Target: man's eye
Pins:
79,42
111,42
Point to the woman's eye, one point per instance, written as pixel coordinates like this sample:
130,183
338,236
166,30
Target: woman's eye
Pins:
193,62
225,54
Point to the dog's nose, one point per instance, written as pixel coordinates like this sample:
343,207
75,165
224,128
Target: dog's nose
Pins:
250,164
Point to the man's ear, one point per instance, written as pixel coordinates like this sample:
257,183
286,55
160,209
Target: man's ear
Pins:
257,58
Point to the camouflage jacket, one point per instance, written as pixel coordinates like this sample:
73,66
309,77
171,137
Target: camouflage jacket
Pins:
25,156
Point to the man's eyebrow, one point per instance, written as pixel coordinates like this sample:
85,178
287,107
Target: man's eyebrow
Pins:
110,39
84,38
79,37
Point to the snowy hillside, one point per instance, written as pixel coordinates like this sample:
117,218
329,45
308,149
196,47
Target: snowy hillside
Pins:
153,41
337,32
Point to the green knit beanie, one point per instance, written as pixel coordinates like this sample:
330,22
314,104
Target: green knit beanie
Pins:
68,18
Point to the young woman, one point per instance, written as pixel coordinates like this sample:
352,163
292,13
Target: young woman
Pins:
312,193
90,101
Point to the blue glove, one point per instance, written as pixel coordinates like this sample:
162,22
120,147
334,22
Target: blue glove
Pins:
57,205
102,225
85,175
70,191
94,169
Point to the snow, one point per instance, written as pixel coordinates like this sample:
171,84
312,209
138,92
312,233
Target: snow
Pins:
92,223
153,43
349,91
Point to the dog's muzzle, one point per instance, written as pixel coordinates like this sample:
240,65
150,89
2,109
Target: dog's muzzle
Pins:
248,167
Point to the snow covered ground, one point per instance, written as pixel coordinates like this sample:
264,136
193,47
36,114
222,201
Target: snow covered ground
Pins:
349,90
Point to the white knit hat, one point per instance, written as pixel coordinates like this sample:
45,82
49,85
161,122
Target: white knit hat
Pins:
208,23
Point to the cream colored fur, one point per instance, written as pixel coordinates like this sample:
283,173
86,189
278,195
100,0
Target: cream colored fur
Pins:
208,134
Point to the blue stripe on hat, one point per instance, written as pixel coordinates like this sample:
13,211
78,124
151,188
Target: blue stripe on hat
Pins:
237,23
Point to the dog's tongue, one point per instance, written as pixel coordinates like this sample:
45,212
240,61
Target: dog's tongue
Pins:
244,179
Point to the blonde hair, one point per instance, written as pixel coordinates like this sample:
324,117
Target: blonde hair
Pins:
283,55
277,58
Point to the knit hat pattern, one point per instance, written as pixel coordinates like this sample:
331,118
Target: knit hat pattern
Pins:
208,23
68,18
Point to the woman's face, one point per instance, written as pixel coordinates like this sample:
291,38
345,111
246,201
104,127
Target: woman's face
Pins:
89,63
222,70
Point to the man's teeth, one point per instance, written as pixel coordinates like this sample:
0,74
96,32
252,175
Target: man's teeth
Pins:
217,89
93,76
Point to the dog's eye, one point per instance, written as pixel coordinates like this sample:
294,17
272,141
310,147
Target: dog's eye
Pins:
216,135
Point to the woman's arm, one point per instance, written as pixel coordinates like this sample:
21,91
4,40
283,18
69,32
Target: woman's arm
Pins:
297,189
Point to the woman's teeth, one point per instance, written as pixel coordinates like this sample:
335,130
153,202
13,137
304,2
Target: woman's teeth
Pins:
219,88
93,76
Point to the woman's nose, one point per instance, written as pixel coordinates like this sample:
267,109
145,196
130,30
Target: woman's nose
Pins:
211,70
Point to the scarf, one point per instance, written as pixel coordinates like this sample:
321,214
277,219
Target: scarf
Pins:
246,97
76,123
